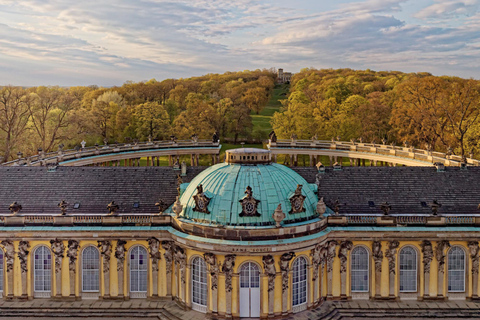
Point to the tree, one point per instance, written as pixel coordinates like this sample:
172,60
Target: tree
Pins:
255,99
13,117
153,121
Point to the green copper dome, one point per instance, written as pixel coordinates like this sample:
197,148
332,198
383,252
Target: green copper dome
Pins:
219,199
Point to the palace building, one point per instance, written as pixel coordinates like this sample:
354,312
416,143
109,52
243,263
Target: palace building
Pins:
246,238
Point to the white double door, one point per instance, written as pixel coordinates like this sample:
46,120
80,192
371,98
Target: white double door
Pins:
249,290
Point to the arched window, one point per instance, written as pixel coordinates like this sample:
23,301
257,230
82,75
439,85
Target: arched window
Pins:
199,284
359,274
138,269
1,270
42,269
90,269
408,270
456,270
299,282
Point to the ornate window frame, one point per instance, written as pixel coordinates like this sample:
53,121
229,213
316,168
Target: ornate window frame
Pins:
300,284
361,294
93,294
460,293
409,294
199,284
138,294
42,293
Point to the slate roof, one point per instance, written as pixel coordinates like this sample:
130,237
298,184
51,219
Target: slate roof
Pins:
40,191
404,188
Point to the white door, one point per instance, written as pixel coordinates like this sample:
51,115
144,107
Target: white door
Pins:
249,290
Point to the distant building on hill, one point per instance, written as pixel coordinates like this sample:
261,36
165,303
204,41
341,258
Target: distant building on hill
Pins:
283,77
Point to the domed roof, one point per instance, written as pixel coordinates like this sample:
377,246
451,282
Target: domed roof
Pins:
223,187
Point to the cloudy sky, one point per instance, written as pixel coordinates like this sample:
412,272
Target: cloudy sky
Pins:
108,42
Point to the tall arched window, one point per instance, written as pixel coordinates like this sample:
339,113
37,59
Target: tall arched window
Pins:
90,269
42,270
456,270
360,265
199,284
408,270
138,269
299,282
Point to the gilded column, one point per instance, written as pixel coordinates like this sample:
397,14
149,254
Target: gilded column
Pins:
331,254
168,255
58,249
23,247
214,269
154,246
345,247
120,256
72,253
427,251
284,268
9,259
390,253
377,258
227,269
271,272
440,256
473,246
106,251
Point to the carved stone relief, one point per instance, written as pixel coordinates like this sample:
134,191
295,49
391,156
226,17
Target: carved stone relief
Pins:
213,267
120,254
297,200
390,254
269,266
331,254
249,204
473,247
284,267
377,255
315,253
23,247
440,254
106,251
427,251
181,261
154,246
168,255
345,246
58,249
72,253
227,269
201,201
9,254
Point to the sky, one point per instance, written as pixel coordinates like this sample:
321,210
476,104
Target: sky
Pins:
109,42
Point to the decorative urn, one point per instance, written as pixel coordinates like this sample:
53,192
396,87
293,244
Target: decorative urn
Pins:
278,216
321,207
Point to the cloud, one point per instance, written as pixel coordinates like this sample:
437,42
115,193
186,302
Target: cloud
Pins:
448,9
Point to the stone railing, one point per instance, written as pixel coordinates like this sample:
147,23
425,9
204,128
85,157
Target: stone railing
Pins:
402,220
154,219
103,150
292,146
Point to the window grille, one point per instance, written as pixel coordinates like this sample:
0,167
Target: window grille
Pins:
138,269
360,266
249,276
199,282
90,269
408,270
42,269
456,270
299,282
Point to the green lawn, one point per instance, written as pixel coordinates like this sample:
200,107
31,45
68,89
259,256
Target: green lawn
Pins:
261,122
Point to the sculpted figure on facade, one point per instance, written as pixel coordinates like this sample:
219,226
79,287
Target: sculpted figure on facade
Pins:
296,201
390,254
377,255
440,254
181,261
345,246
473,247
106,251
58,248
154,248
331,254
249,204
227,269
284,267
427,251
23,247
168,255
201,200
9,254
213,267
315,253
120,254
269,266
72,252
